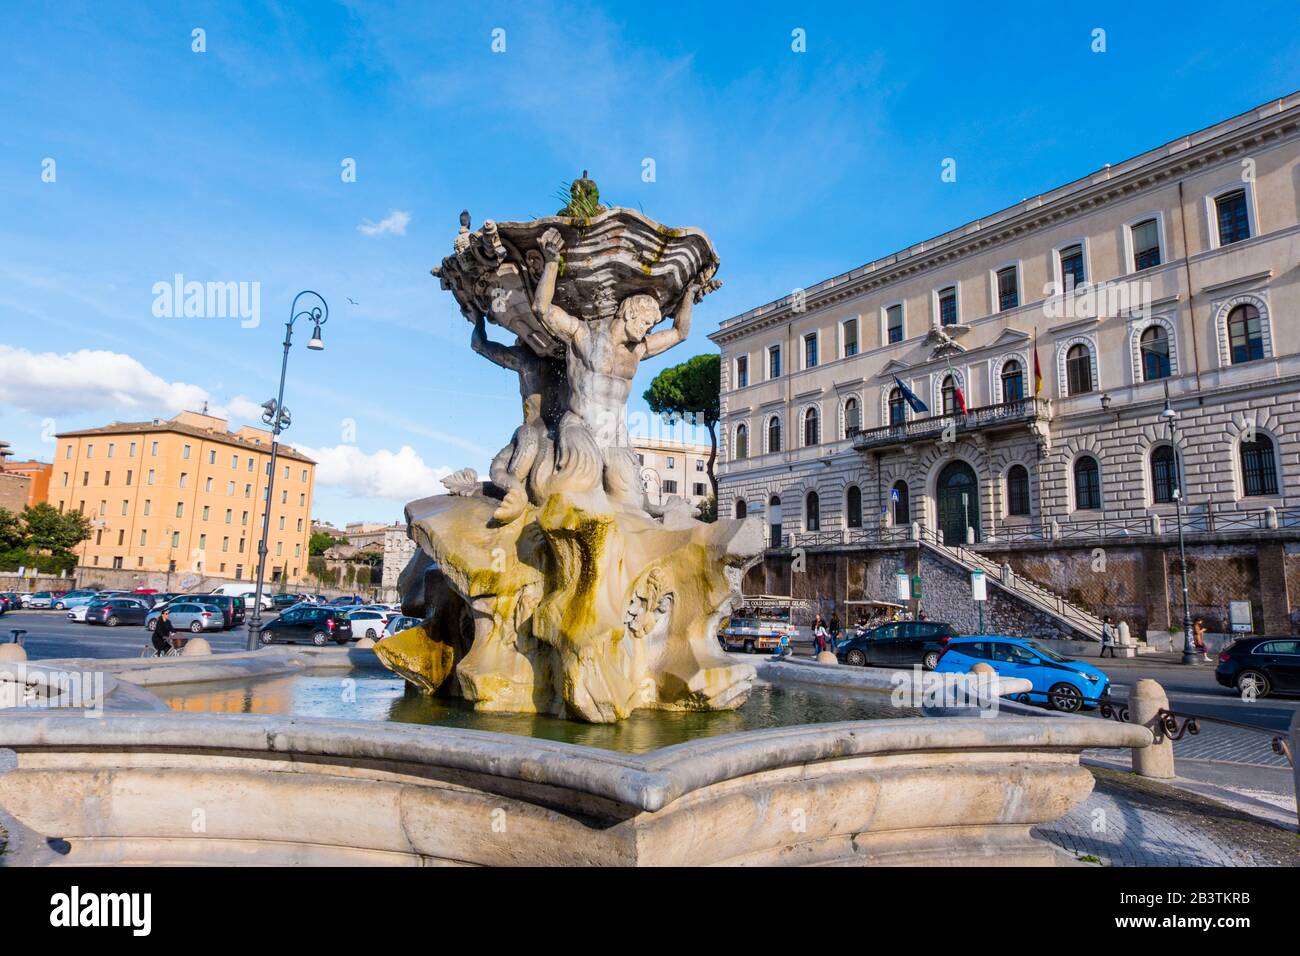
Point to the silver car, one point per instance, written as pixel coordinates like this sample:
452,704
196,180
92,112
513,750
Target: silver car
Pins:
189,616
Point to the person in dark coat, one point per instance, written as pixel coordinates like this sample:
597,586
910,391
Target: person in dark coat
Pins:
162,634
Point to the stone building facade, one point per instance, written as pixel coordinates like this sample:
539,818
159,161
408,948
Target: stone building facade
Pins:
671,467
1156,297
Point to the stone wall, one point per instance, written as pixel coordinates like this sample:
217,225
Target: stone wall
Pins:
1137,583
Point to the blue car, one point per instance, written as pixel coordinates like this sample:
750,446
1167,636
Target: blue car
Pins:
1059,682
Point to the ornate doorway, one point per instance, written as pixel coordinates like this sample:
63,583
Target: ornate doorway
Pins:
956,492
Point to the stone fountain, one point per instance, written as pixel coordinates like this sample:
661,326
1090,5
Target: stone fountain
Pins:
555,586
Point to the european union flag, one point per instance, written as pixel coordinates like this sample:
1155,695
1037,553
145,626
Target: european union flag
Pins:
910,396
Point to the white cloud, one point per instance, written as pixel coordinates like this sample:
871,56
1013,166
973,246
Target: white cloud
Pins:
55,383
395,224
241,406
401,475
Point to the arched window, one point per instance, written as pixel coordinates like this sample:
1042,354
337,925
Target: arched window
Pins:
1017,490
853,507
742,442
1258,467
774,521
1245,334
1087,484
1078,369
897,407
1013,381
741,508
902,504
1155,353
812,514
811,427
774,434
949,396
852,418
1164,474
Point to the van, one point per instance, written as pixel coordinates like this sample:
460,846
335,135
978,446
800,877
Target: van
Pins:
244,591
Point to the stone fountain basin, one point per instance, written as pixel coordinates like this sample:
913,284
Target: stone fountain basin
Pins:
125,789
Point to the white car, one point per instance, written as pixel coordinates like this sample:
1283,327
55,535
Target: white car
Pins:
78,613
367,623
41,599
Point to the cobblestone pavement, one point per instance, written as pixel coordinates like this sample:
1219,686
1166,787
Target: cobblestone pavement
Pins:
1224,744
1129,821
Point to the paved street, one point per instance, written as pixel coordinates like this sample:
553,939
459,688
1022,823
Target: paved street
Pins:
50,635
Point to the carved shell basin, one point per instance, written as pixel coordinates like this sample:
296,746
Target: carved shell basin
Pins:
619,253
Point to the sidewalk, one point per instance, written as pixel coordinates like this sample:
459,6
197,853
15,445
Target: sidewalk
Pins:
1132,821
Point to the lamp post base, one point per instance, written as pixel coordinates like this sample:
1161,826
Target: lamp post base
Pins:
1190,654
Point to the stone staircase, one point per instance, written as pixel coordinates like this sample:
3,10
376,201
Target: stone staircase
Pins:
1083,623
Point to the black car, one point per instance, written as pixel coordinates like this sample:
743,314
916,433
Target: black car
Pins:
232,608
319,625
117,611
1259,666
897,644
283,601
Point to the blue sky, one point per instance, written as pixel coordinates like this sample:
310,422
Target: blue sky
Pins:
225,166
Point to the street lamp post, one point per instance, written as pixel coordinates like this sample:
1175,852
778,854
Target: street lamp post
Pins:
278,417
1189,649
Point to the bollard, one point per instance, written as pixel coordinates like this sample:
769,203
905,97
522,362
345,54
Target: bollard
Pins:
1295,758
1144,704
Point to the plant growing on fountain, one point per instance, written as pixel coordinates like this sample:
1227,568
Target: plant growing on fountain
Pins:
555,586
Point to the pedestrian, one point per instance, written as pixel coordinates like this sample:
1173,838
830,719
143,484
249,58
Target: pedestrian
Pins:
162,633
821,637
1198,635
922,616
1107,637
835,627
782,649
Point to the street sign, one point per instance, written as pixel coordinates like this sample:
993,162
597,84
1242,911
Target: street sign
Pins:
916,586
978,586
893,494
904,588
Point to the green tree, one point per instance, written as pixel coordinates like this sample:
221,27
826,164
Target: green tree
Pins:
319,543
691,392
11,530
48,529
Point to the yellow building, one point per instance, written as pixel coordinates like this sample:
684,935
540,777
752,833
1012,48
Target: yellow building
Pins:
185,495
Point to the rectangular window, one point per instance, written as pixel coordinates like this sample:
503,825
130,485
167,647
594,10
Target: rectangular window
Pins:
304,474
672,462
1072,275
185,451
129,475
110,449
144,538
130,453
1146,244
107,477
150,476
699,489
203,542
670,487
894,323
699,464
212,456
126,506
180,509
205,512
850,338
68,452
85,478
810,350
148,506
230,488
207,485
1008,289
1234,221
234,461
153,451
185,478
90,451
948,306
742,373
229,515
774,361
176,539
225,544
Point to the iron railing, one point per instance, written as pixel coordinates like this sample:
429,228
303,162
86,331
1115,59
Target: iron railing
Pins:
976,419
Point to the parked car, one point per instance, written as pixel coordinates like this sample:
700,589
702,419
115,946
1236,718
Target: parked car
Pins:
232,608
319,625
73,598
10,600
242,590
78,612
118,610
1259,666
189,615
896,644
368,623
400,623
1061,683
38,599
283,601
